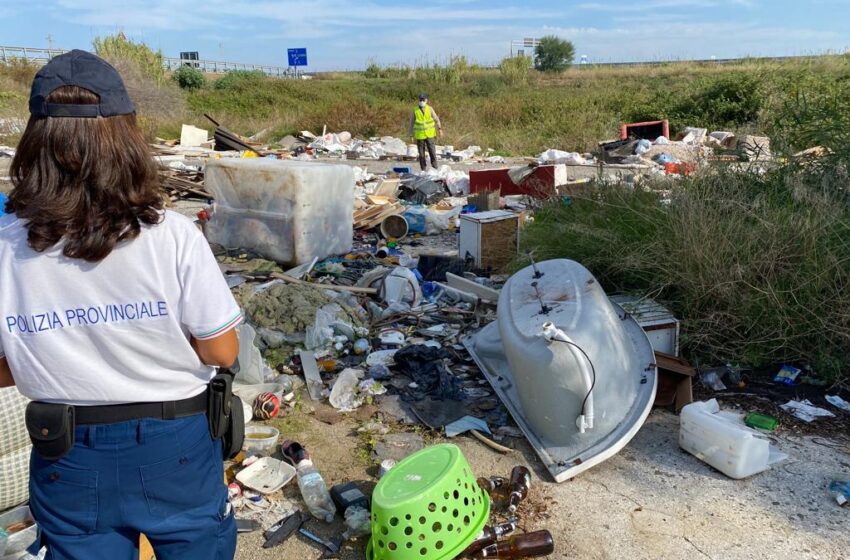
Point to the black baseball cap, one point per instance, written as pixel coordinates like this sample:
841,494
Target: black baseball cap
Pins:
423,96
88,71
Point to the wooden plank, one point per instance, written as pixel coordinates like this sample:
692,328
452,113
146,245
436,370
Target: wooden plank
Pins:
460,283
311,375
352,289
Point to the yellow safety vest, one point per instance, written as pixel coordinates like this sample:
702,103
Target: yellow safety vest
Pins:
424,127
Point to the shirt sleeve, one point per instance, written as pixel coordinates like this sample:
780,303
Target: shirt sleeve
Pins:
207,307
436,118
412,123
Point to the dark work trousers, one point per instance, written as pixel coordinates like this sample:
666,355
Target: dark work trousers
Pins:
432,151
163,478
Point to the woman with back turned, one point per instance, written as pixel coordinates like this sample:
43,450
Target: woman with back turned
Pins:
115,317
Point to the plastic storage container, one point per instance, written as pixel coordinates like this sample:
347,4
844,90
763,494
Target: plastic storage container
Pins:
287,211
260,439
429,506
723,441
267,475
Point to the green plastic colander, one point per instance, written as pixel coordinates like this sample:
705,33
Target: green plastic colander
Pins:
427,507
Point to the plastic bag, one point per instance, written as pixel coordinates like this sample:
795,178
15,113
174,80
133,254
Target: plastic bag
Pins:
358,523
643,147
345,395
401,286
437,221
321,333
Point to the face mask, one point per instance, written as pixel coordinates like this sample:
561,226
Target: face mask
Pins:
422,104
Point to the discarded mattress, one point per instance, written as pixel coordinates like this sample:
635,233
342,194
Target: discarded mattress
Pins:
577,373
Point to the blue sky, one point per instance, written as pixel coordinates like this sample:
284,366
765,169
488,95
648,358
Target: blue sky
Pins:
347,34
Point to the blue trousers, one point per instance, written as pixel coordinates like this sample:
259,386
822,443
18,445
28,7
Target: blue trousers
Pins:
163,478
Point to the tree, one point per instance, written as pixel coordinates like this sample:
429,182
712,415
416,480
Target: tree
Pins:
553,54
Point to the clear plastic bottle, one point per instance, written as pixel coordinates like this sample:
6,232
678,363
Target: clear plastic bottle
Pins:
315,491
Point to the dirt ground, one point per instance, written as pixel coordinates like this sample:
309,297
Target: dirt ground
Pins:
651,501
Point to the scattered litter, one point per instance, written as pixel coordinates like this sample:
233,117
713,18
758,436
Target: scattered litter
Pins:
839,489
723,441
345,396
838,402
266,475
761,421
787,375
466,424
712,379
805,410
397,446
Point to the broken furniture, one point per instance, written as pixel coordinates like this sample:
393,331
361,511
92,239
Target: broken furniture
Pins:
541,181
576,371
490,239
649,130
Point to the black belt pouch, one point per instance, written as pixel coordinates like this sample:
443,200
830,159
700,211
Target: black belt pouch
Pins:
226,416
51,429
219,406
234,437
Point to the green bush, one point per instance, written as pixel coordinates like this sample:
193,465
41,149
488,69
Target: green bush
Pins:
515,70
754,264
553,54
188,77
118,47
240,80
725,101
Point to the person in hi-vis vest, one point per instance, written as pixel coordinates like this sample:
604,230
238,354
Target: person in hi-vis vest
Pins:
424,126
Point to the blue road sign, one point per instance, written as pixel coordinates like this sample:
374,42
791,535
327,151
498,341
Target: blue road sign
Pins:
297,57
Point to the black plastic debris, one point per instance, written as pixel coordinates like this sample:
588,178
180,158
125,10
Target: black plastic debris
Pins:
425,365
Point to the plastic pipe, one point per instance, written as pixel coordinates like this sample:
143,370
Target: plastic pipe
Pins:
552,333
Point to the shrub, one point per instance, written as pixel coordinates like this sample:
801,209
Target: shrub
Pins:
515,70
721,102
553,54
118,47
753,264
240,80
188,77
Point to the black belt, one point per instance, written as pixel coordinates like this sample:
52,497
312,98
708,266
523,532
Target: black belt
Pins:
112,413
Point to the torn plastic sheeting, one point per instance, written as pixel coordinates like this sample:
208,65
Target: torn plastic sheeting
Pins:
466,424
838,402
421,190
424,364
345,395
400,285
438,221
559,156
805,410
456,181
326,325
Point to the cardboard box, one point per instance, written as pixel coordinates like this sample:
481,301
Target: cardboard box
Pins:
491,239
675,381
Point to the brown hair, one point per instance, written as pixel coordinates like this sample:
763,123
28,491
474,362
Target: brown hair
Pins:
89,182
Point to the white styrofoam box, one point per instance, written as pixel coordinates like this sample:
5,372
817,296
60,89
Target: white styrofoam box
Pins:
191,136
658,322
287,211
471,228
722,440
561,174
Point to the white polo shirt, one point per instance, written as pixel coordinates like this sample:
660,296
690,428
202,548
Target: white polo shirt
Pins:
115,331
